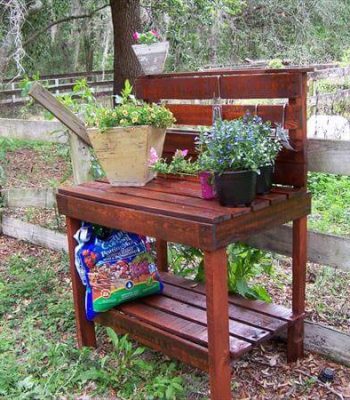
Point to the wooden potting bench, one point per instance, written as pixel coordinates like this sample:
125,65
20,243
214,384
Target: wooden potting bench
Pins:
200,324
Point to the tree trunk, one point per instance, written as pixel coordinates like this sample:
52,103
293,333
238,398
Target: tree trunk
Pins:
126,20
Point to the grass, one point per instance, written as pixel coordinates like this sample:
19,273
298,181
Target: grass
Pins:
38,355
330,203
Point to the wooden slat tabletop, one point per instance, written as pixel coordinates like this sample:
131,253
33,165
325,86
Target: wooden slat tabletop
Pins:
170,197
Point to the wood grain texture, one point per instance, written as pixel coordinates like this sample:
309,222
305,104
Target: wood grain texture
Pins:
299,257
330,156
261,86
85,329
196,114
158,339
274,318
162,255
124,152
215,269
153,90
194,234
32,233
323,248
31,197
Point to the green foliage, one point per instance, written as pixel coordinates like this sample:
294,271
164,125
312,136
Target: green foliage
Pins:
330,203
149,37
178,165
345,58
245,263
275,63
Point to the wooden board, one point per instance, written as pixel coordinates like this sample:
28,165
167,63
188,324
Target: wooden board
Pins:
61,112
33,233
197,114
323,248
31,197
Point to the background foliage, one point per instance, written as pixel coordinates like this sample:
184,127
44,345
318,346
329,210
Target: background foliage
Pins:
201,33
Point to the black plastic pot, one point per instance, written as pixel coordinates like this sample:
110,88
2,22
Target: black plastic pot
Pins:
235,188
264,179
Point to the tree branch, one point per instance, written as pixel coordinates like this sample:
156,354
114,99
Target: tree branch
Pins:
60,21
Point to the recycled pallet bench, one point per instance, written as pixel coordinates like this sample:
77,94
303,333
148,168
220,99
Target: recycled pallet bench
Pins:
201,324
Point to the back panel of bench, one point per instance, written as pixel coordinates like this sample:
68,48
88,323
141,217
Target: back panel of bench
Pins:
291,85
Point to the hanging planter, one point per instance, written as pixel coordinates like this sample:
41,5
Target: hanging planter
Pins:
150,52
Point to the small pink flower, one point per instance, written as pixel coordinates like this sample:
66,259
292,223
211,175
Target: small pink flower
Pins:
153,157
184,153
155,33
136,36
180,153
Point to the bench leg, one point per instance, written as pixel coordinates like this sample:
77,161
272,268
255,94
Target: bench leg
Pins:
162,255
296,332
215,265
85,329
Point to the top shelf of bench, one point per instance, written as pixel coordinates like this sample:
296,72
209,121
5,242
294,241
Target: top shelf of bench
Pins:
173,208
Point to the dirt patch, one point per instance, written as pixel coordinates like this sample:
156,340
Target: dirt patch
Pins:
27,168
327,292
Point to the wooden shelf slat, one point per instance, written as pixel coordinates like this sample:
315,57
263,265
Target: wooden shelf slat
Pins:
175,322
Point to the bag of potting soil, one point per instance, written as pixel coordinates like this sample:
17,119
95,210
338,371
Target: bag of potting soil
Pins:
115,267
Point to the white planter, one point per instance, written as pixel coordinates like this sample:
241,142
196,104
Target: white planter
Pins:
152,56
124,152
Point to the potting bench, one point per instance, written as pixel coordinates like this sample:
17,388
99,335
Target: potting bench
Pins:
201,324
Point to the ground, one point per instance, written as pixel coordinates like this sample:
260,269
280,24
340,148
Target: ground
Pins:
39,360
38,357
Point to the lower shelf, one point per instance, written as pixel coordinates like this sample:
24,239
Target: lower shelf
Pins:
175,322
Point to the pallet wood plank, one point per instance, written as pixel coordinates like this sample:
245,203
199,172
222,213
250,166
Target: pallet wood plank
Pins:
200,114
192,233
62,113
153,90
195,314
112,197
272,310
261,86
178,326
192,293
166,195
158,339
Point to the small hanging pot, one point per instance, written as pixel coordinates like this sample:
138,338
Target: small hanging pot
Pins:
235,188
152,57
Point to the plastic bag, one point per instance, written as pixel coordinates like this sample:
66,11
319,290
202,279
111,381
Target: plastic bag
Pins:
115,267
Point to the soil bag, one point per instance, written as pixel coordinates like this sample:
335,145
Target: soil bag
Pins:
115,267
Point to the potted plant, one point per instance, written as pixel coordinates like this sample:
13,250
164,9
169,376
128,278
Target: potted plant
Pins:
150,51
123,136
230,150
270,146
180,167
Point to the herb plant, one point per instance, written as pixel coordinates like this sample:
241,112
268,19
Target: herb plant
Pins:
178,165
149,37
245,264
242,144
129,112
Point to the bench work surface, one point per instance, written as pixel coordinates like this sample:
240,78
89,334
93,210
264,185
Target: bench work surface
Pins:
172,209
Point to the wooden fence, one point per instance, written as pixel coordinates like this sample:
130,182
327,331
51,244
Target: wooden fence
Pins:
101,83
